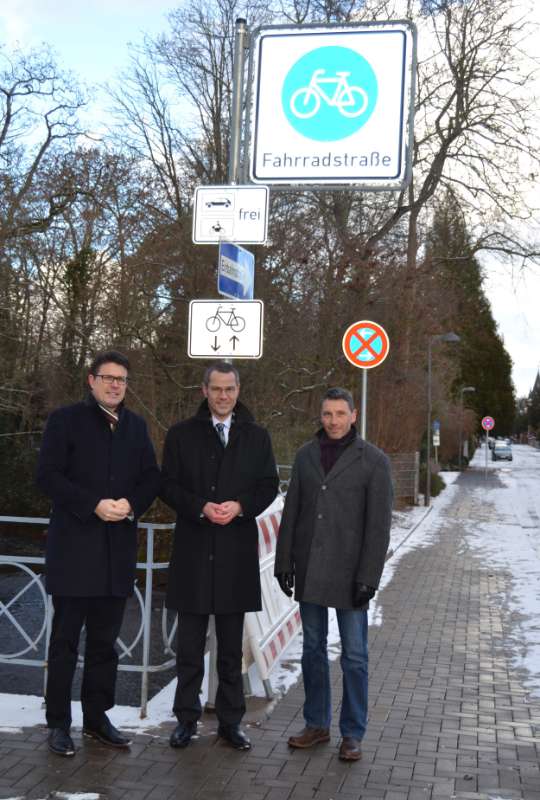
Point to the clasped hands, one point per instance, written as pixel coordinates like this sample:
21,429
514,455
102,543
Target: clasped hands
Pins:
222,513
113,510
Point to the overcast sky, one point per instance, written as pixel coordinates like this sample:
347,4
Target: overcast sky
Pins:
91,39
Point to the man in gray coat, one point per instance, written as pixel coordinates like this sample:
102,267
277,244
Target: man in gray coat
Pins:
332,544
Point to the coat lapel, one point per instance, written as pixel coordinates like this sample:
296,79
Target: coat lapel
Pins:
315,458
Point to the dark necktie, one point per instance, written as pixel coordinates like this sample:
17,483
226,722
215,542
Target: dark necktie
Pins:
220,428
110,416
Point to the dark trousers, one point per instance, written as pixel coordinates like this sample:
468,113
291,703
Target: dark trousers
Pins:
103,619
191,640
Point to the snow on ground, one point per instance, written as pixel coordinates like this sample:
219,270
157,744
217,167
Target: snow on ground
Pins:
510,540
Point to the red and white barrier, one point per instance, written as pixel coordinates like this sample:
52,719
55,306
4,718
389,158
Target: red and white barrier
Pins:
269,631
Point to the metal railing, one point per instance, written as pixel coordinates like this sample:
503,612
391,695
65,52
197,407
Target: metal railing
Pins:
34,643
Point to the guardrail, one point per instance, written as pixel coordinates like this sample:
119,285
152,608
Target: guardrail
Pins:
266,633
41,640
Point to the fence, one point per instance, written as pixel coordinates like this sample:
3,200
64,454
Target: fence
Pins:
41,640
275,621
405,476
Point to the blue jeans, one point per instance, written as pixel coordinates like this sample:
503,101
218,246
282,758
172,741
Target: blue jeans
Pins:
353,629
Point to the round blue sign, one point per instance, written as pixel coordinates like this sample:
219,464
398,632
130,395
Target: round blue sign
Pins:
329,93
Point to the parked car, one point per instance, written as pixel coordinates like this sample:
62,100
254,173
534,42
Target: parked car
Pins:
491,442
501,452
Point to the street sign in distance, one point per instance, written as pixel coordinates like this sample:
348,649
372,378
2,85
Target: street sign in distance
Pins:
232,213
436,425
333,104
488,423
236,271
436,439
365,344
220,329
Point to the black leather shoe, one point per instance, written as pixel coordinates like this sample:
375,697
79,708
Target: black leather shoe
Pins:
60,742
181,736
234,736
106,733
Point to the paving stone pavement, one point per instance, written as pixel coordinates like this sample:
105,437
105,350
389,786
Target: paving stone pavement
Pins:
449,717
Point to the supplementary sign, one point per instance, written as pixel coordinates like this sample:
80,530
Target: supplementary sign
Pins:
365,344
488,423
225,330
233,213
236,271
333,104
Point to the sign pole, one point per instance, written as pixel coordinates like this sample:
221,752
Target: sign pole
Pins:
488,423
365,345
237,99
363,423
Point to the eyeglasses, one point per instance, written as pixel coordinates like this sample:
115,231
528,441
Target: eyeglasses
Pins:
110,379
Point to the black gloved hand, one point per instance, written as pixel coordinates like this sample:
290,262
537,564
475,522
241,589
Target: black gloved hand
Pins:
286,582
362,594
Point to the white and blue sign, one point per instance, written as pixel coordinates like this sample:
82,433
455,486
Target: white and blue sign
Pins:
333,104
329,93
236,271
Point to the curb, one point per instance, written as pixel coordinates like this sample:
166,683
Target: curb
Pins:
392,550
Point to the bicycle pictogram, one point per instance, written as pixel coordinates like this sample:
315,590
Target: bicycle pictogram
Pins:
227,317
350,101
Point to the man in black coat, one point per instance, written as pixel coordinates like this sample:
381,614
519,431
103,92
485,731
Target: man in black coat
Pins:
97,464
218,474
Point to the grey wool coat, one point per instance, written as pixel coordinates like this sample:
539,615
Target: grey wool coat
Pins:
335,528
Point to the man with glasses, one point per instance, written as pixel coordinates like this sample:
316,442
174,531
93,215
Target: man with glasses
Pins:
218,474
97,465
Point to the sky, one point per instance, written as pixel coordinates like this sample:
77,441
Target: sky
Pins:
91,39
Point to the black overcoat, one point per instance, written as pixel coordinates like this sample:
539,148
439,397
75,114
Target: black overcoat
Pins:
82,462
215,568
335,528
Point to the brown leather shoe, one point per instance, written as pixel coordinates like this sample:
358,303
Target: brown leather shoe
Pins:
350,749
309,736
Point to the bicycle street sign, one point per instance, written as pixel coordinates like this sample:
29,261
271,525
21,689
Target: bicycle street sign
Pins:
333,104
365,344
232,213
236,271
232,329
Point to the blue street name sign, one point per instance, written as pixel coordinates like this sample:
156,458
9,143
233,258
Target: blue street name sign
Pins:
236,271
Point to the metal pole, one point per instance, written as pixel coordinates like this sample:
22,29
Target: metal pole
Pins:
149,573
428,443
487,448
237,99
460,428
49,611
210,704
363,421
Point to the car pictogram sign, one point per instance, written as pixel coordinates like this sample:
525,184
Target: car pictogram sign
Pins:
488,423
365,344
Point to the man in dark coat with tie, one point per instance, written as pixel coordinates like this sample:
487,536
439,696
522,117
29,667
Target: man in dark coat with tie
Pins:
97,465
218,474
332,544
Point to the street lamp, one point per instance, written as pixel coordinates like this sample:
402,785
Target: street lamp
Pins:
451,338
461,392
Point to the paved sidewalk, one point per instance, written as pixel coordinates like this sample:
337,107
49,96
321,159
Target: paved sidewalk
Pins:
449,716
